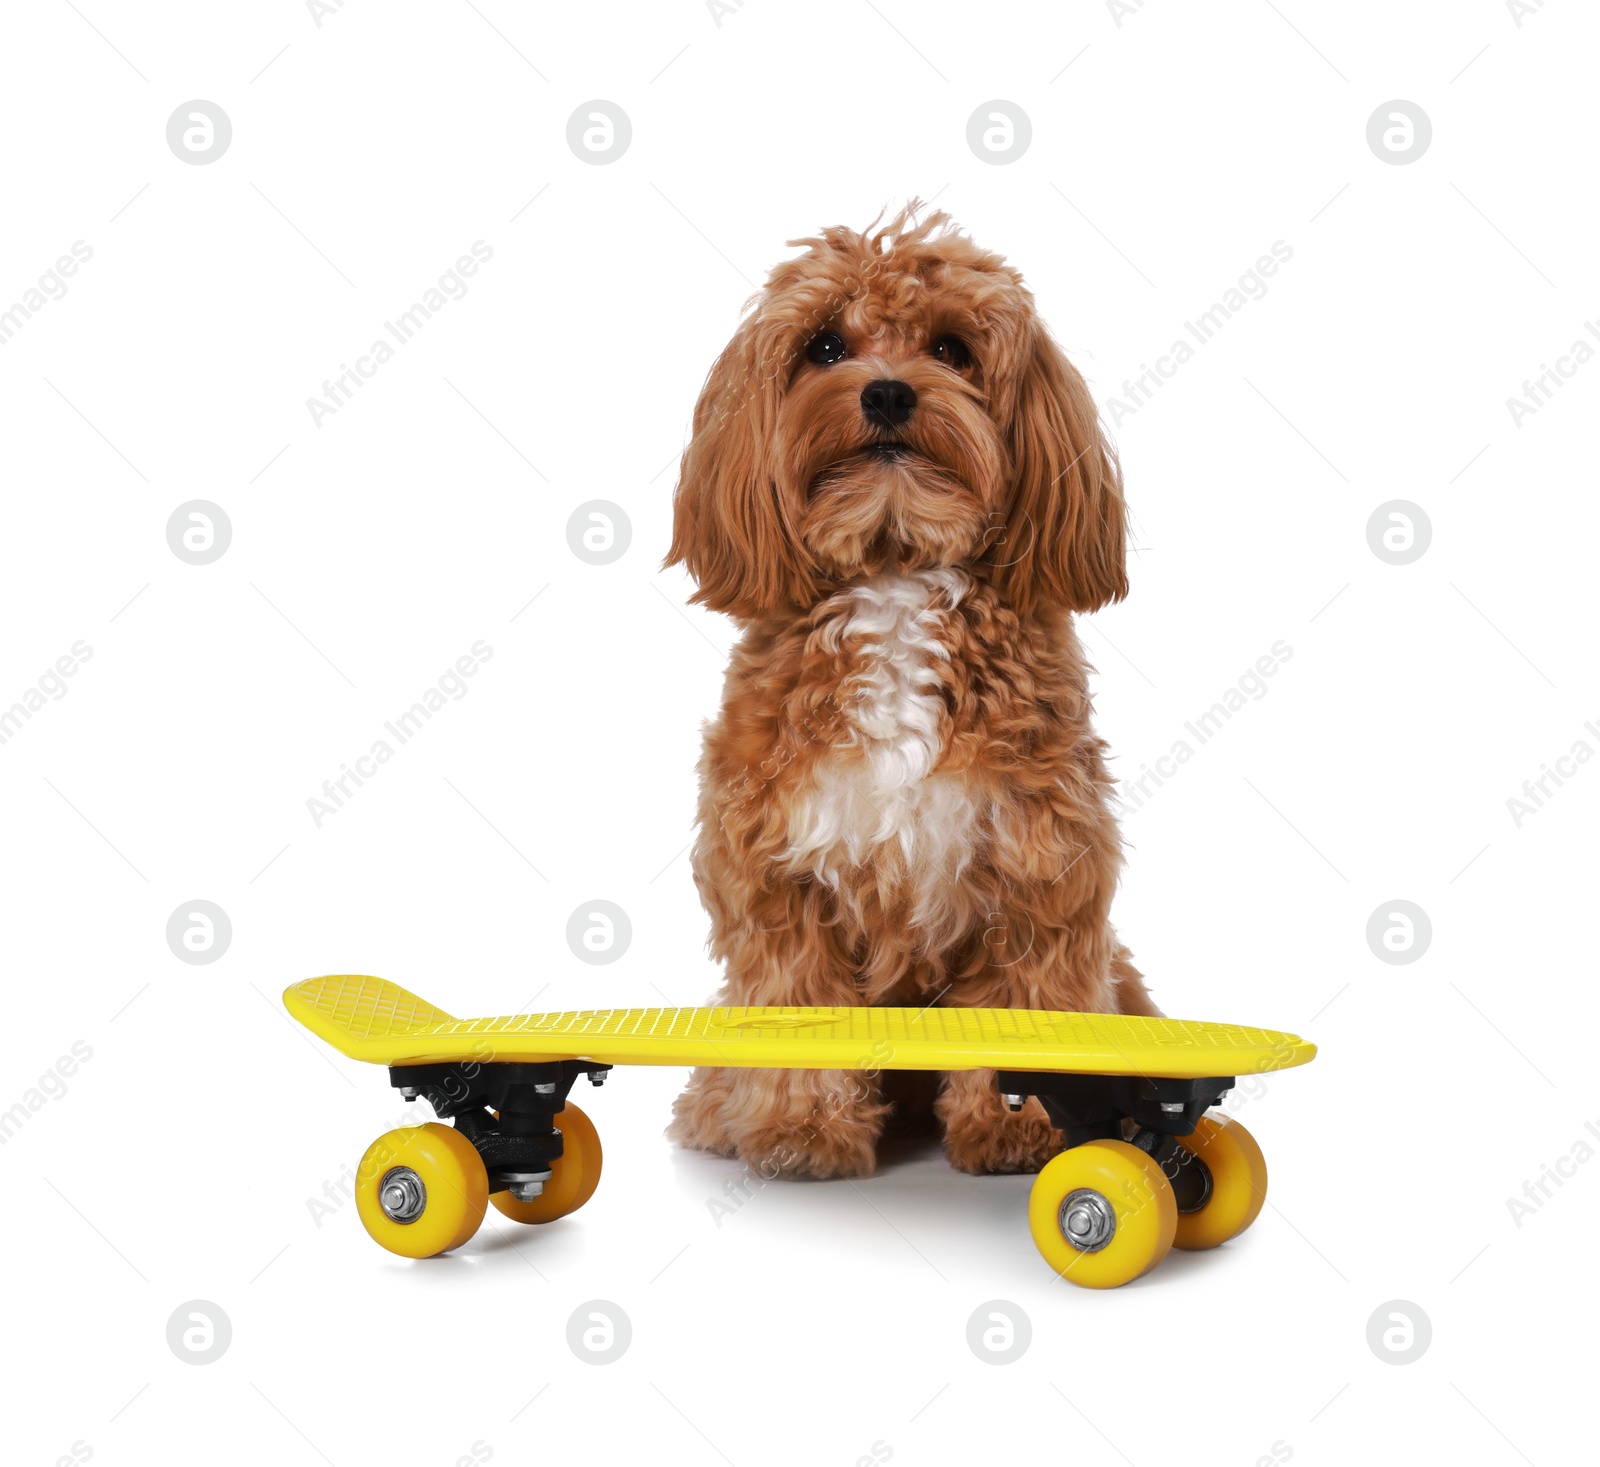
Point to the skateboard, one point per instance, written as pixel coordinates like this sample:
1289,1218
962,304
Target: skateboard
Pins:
1144,1168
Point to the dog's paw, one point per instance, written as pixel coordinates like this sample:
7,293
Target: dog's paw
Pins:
1013,1142
782,1123
783,1152
698,1115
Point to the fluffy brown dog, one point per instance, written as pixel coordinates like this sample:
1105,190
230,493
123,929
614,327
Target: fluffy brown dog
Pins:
898,486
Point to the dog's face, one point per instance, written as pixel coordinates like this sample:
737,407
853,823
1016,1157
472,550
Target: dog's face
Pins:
893,402
883,436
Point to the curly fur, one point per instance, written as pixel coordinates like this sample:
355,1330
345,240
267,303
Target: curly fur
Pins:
902,799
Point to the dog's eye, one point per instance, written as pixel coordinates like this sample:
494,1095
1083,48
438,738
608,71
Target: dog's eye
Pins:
826,348
952,351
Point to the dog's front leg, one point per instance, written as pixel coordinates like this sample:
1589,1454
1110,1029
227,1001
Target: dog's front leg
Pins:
1046,943
780,948
1030,959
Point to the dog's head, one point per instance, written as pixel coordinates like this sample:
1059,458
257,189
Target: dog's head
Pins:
892,401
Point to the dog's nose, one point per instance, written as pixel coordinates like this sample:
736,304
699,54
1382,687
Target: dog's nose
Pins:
887,402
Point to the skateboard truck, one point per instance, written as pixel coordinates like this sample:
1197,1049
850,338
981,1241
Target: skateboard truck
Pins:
1095,1107
506,1109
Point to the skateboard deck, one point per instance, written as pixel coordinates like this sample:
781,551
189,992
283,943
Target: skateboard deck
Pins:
374,1020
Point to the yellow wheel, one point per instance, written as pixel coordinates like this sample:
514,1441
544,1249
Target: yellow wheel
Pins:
421,1190
573,1177
1102,1214
1238,1174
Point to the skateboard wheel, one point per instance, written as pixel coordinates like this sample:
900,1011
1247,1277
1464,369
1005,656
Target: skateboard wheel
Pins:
421,1190
573,1177
1102,1214
1238,1183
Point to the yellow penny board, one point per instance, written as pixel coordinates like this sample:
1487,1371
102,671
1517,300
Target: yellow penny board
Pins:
374,1020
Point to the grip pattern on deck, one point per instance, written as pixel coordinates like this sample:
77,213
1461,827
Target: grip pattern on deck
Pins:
372,1019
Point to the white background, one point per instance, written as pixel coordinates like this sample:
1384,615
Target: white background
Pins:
821,1323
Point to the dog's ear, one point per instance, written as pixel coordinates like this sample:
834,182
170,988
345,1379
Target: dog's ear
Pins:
730,527
1062,540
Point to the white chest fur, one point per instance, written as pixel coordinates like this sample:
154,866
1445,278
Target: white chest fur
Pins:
877,798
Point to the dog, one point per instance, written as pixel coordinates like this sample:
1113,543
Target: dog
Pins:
898,487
